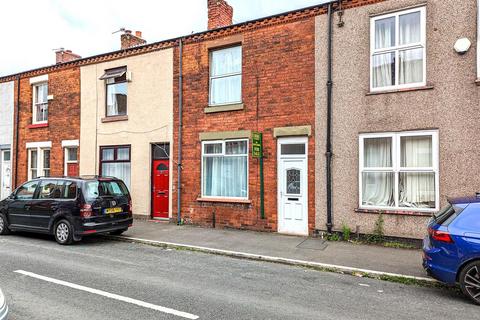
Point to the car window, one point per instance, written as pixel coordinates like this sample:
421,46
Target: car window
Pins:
97,189
67,189
48,190
26,191
469,220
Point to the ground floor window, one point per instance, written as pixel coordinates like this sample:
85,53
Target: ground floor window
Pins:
399,170
38,162
115,162
225,169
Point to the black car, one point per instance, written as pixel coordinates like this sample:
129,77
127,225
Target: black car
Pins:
68,208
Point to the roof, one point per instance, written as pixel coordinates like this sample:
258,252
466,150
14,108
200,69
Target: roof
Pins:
284,17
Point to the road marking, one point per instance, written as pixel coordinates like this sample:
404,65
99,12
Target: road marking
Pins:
110,295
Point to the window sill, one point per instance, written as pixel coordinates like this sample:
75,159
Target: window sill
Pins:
395,212
38,125
374,93
225,200
114,119
477,82
224,108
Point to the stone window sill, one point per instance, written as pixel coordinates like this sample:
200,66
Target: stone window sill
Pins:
38,125
374,93
224,108
114,119
477,82
225,200
395,212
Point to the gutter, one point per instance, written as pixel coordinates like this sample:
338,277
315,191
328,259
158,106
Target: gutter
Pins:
180,127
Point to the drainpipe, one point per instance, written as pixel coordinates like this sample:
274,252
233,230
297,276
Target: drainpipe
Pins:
17,117
329,152
180,127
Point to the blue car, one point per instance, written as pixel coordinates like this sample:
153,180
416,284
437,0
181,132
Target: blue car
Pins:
451,251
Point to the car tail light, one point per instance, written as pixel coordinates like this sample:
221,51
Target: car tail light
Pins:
86,211
441,236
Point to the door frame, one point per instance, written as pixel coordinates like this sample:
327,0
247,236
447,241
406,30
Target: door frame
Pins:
152,146
280,157
2,162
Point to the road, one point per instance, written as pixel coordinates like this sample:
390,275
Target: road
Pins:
105,279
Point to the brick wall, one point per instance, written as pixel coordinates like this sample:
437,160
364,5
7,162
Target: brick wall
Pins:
278,91
220,14
63,120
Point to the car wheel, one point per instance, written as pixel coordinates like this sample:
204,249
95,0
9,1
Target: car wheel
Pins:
3,225
63,232
118,232
470,281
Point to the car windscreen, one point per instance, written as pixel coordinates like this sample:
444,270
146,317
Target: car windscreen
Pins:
96,189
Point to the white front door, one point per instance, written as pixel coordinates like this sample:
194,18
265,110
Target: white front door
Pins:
6,174
293,186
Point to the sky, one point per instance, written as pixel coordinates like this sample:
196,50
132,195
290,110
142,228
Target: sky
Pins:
33,29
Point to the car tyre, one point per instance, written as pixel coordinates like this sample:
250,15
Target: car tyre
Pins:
118,232
470,281
3,225
63,232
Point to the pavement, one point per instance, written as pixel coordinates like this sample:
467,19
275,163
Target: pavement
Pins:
99,278
284,249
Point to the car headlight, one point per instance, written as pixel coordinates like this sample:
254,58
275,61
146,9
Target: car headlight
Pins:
2,299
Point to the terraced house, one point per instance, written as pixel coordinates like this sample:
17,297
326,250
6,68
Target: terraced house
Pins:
325,117
405,113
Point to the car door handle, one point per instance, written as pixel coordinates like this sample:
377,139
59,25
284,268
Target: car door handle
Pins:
27,207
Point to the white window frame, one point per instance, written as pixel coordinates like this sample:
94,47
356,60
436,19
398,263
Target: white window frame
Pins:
222,154
397,169
34,103
40,155
397,48
67,160
211,78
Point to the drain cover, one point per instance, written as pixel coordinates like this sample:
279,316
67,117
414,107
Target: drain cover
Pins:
313,244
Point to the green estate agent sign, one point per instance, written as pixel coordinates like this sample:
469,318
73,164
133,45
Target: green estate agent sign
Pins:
257,145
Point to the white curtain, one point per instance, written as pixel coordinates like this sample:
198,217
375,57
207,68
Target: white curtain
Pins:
377,187
117,99
384,64
112,104
410,28
417,189
226,68
411,66
118,170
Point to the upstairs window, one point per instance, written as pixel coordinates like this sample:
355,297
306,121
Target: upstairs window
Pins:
226,76
398,56
40,103
116,92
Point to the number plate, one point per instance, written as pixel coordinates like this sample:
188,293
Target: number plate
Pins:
113,210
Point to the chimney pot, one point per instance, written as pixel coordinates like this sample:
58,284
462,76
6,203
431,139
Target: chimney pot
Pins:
220,14
138,34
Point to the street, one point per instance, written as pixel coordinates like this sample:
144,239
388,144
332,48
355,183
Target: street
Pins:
104,279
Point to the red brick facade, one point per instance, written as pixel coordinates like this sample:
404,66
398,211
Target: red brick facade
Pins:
220,14
278,90
63,120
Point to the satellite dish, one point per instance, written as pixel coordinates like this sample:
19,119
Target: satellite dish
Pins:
462,45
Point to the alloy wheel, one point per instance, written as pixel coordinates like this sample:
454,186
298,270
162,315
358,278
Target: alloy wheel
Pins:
62,232
472,283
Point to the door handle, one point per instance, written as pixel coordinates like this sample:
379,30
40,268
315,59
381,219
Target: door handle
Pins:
27,207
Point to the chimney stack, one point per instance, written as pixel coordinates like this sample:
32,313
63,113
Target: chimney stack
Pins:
63,55
220,14
129,40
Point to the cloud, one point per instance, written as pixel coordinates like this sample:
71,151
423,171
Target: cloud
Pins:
33,29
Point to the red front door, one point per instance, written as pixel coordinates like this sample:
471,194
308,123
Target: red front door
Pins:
72,169
160,188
